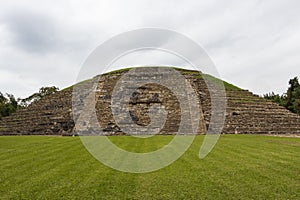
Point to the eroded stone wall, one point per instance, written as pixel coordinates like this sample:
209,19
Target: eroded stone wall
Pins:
245,113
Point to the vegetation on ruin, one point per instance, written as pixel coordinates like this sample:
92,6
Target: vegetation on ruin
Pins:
194,73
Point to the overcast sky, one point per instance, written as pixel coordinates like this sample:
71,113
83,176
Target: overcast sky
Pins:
254,44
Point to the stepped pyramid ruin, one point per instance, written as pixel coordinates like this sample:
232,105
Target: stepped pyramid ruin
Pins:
246,113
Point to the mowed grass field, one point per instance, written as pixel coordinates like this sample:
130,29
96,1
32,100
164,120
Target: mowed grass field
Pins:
239,167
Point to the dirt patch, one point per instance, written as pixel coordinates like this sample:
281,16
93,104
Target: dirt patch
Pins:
285,135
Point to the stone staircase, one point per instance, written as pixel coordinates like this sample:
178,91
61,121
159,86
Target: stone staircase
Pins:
246,113
49,116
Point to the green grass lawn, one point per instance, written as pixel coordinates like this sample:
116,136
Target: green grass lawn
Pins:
239,167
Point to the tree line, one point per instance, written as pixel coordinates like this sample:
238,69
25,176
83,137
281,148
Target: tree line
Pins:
290,99
9,104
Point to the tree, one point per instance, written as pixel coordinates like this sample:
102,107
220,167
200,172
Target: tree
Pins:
8,105
294,85
293,95
290,100
44,91
296,106
280,99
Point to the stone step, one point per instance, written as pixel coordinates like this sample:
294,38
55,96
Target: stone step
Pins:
246,113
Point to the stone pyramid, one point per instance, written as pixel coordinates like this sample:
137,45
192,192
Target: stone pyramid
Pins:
246,113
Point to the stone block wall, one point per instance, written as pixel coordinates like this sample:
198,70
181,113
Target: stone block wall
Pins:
246,113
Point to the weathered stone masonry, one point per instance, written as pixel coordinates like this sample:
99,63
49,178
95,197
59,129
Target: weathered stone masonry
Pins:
246,113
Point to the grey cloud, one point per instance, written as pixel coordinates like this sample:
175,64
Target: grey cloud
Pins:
33,32
255,44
